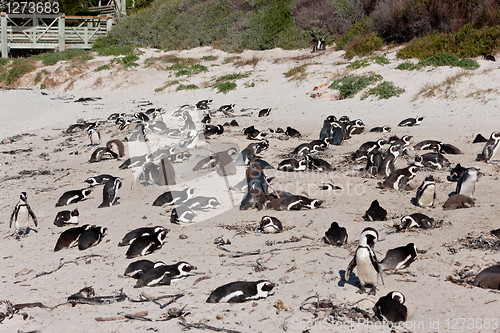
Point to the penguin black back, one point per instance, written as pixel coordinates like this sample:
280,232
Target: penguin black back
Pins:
91,237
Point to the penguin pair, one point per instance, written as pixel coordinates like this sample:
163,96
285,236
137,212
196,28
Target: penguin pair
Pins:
182,215
152,274
21,215
174,197
73,196
85,237
368,269
432,160
387,165
139,232
311,147
66,217
146,244
109,191
241,291
367,147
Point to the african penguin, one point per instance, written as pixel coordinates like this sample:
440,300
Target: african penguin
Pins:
264,112
387,165
399,257
91,237
398,179
241,291
285,203
117,147
329,187
375,212
69,237
336,235
488,278
73,196
432,160
292,164
22,214
456,173
200,203
446,148
94,136
367,147
311,147
457,201
416,220
491,148
382,129
135,269
427,145
426,192
98,180
203,104
213,130
318,164
479,139
391,308
146,244
182,215
467,183
292,132
66,217
270,225
164,274
109,192
366,262
132,235
100,153
174,197
411,121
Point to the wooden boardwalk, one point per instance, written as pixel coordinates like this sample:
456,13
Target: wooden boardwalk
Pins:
51,32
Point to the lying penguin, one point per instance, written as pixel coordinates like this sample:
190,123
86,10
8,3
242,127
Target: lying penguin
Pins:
241,291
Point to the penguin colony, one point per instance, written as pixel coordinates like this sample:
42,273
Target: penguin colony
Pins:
382,159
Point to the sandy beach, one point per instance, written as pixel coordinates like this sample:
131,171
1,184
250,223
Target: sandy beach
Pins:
41,160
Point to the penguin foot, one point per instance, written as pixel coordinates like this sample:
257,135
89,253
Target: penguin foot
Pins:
361,290
373,291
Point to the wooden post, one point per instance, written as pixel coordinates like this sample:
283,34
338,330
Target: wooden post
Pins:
34,20
109,23
3,23
123,8
62,33
86,36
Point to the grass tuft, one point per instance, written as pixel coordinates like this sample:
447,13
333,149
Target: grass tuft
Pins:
350,85
384,90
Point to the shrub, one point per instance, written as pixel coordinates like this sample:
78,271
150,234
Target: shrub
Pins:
367,62
52,58
129,60
356,30
113,50
18,68
186,87
103,67
297,73
224,87
319,18
363,45
446,59
467,42
209,58
407,66
225,83
350,85
384,90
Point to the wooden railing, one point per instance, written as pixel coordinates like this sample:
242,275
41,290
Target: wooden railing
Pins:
20,31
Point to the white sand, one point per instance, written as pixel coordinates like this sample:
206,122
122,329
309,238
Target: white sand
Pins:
432,301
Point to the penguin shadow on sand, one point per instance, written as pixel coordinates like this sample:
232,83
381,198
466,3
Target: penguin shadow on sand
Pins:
353,280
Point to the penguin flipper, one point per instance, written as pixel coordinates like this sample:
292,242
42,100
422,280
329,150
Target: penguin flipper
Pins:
349,269
14,213
32,215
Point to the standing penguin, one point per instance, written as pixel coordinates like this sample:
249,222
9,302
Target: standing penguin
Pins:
21,215
426,193
391,307
109,191
467,183
490,148
241,291
94,136
366,261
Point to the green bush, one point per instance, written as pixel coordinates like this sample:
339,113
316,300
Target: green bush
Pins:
447,59
18,68
52,58
363,45
384,90
468,42
350,85
186,87
129,60
112,50
367,62
297,73
356,30
103,67
407,66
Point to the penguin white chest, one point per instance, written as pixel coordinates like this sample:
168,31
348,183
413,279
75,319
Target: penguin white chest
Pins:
367,274
23,218
427,197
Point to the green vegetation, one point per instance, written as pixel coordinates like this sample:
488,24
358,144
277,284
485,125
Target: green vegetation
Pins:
109,47
226,83
407,66
129,60
350,85
367,62
384,90
186,87
467,42
52,58
18,68
356,31
103,67
209,58
297,73
166,85
446,59
364,45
